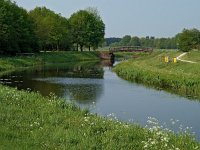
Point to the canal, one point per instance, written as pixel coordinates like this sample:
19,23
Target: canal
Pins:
93,85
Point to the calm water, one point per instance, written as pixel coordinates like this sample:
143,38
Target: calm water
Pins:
95,86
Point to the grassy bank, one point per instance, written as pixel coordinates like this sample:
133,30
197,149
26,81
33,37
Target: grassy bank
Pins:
193,56
30,121
182,78
11,63
128,55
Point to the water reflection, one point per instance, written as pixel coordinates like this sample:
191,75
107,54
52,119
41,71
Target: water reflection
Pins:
82,90
106,63
82,82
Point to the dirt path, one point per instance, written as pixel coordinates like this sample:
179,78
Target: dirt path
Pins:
183,54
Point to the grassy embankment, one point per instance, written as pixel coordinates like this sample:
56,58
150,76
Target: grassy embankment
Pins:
182,78
11,63
128,55
30,121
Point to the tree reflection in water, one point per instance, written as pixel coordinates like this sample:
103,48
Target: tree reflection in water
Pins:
82,82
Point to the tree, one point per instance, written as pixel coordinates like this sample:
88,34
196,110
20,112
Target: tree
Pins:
135,41
52,29
16,30
125,40
96,28
188,39
60,33
78,25
111,40
87,29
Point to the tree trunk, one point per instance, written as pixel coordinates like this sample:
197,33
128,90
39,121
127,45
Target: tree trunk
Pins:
81,48
52,47
77,47
89,48
57,46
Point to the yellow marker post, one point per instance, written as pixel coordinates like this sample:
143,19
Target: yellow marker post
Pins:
166,59
175,60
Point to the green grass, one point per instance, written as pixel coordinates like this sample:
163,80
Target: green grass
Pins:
60,57
30,121
11,63
182,78
192,56
127,55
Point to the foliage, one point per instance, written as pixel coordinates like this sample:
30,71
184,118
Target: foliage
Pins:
43,29
111,40
87,29
16,30
125,40
159,43
135,41
52,29
97,30
189,39
31,121
182,78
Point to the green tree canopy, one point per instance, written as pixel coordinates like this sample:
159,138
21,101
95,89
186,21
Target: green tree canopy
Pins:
160,43
135,41
52,29
16,29
125,40
87,29
189,39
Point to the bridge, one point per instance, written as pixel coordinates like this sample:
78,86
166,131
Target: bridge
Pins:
110,54
130,49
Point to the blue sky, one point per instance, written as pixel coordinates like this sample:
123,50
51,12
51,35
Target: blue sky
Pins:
159,18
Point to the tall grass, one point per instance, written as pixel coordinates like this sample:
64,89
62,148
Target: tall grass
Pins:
182,78
30,121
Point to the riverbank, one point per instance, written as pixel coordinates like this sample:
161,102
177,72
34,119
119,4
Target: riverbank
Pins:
11,63
128,55
181,77
30,121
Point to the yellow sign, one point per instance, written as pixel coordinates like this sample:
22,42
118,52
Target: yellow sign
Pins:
175,60
166,59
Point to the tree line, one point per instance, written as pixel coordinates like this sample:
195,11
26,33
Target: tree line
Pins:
159,43
187,40
42,29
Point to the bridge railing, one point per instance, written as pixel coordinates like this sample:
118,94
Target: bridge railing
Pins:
130,49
